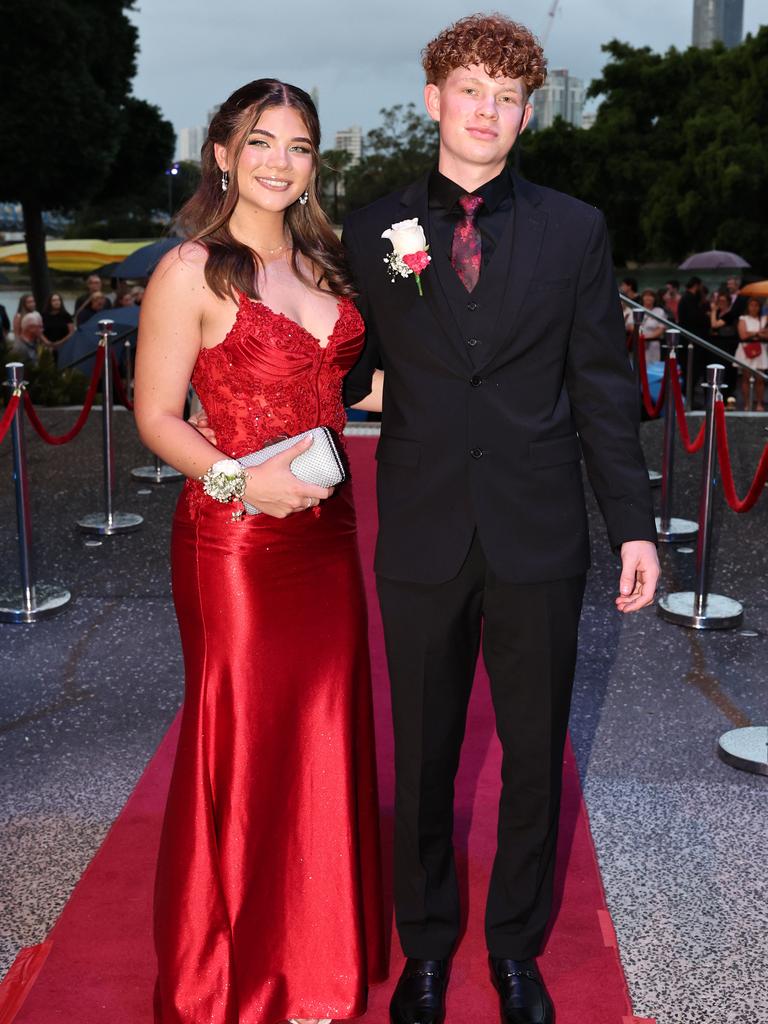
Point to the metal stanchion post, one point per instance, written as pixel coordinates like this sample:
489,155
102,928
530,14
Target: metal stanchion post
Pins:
32,601
108,522
699,609
638,315
127,355
158,473
751,393
671,529
689,377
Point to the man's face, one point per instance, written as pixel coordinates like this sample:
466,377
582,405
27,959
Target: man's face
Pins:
480,117
732,284
94,284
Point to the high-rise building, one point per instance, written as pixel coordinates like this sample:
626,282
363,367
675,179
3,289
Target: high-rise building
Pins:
351,141
715,20
190,142
560,96
314,93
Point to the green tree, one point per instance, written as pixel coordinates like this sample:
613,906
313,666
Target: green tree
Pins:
403,147
66,110
678,154
334,164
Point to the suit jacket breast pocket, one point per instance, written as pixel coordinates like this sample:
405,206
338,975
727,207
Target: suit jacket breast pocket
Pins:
555,284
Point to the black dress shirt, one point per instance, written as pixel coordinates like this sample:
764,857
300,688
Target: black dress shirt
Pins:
445,212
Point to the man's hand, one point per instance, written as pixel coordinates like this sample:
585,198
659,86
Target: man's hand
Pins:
639,575
199,421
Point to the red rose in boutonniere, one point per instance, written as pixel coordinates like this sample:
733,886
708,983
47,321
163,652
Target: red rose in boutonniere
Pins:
409,251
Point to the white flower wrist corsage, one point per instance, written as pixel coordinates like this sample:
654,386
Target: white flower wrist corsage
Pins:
225,481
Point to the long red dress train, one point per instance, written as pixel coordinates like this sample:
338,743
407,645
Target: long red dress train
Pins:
267,902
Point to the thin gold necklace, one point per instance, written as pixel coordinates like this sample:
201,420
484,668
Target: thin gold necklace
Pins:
271,252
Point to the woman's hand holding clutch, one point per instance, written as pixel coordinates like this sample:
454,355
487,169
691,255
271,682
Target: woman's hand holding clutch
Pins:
272,487
275,491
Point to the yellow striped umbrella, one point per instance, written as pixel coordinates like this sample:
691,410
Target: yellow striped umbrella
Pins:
75,254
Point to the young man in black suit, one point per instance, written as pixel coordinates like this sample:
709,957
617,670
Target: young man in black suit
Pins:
503,360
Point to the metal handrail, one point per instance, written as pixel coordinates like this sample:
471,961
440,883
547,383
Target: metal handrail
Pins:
720,353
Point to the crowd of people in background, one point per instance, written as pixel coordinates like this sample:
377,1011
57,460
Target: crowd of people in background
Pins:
33,330
736,323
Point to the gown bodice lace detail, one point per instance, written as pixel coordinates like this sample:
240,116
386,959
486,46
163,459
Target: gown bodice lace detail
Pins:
270,377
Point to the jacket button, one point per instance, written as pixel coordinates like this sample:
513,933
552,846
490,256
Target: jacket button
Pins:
476,453
475,381
471,306
472,342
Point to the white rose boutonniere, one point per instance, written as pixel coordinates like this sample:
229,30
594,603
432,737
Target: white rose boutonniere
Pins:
409,251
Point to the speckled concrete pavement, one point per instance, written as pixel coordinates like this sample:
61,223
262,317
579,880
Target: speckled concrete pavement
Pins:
86,696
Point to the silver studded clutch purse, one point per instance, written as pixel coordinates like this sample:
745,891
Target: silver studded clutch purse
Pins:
322,464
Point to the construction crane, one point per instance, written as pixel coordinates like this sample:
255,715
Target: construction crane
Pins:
550,22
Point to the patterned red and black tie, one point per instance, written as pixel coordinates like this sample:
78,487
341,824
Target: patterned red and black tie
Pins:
467,248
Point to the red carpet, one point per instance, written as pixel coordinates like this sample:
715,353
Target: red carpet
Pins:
97,967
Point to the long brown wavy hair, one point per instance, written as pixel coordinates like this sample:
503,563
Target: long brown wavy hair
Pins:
232,266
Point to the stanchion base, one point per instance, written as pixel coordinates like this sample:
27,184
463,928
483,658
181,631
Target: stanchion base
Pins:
121,522
746,749
654,478
679,530
48,601
719,612
161,475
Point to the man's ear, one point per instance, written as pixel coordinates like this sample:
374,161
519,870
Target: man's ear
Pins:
432,100
220,152
527,115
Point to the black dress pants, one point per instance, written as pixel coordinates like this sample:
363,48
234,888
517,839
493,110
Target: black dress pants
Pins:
433,634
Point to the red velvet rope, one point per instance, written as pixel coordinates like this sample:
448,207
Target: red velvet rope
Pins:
724,456
652,410
10,412
119,386
690,446
34,419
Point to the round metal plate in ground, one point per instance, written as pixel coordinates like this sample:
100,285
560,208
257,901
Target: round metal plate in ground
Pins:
119,522
159,475
719,612
746,749
91,542
144,491
48,601
654,478
685,551
679,529
750,634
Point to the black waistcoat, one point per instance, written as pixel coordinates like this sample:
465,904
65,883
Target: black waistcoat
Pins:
475,314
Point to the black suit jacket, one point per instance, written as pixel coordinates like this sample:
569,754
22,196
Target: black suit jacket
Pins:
491,439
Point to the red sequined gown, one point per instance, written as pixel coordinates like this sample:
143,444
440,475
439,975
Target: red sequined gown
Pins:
268,894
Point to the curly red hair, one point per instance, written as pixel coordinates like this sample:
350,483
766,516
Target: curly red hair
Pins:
503,47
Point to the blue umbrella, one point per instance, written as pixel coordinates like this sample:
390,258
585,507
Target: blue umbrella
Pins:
80,348
143,261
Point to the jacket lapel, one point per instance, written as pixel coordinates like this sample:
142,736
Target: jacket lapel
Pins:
527,237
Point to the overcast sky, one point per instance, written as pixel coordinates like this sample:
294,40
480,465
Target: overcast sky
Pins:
363,54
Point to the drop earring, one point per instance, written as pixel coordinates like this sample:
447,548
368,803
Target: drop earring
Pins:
304,198
224,181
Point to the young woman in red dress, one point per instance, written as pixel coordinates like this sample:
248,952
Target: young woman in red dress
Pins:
267,903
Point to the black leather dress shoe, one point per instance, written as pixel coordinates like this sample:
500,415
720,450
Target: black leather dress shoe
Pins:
419,997
524,1000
